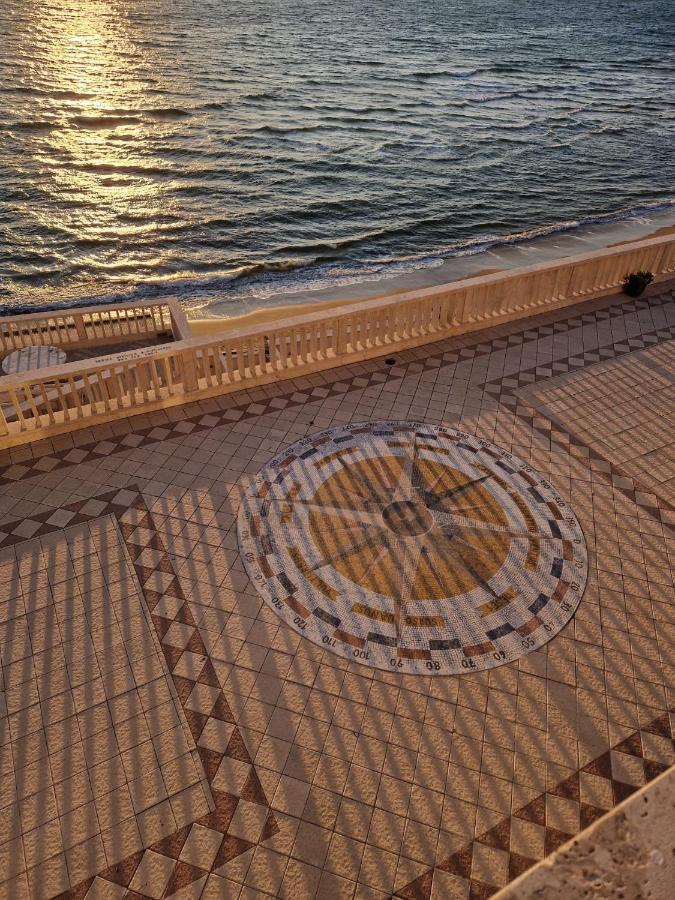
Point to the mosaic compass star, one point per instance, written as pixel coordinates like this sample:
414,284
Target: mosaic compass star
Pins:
412,547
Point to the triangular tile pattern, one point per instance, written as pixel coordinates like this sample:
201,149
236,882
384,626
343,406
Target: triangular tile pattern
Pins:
508,384
540,814
83,511
181,640
618,478
438,355
229,769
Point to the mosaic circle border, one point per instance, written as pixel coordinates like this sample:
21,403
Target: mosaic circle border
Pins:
548,595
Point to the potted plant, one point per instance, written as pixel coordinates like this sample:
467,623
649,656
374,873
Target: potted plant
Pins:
635,283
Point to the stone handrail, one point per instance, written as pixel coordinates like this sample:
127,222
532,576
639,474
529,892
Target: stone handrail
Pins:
42,403
91,326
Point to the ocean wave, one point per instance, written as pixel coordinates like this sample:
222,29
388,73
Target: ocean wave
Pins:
167,113
219,280
111,119
419,149
104,121
51,93
119,168
313,271
479,99
255,95
520,126
422,75
503,68
35,126
284,129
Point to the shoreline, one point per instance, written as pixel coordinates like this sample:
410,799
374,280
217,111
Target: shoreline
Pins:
368,290
204,327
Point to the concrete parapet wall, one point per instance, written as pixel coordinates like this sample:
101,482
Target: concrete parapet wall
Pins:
628,854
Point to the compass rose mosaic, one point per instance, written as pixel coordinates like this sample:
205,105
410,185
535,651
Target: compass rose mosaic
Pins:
412,548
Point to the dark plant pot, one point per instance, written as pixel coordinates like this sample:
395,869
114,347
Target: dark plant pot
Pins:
635,288
635,283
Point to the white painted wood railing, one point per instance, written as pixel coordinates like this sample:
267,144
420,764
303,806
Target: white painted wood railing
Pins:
39,404
93,326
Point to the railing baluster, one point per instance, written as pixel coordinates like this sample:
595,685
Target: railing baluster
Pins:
109,376
240,360
47,403
313,344
153,378
165,375
92,389
17,409
37,419
324,342
101,389
61,400
211,365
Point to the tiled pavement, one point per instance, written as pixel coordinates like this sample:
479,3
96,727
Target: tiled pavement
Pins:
162,733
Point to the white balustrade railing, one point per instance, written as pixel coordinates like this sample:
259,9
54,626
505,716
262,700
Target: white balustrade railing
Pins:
45,402
92,325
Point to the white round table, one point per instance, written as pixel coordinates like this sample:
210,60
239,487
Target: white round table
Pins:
32,358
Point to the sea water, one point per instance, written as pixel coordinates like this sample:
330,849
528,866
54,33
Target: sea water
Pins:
229,152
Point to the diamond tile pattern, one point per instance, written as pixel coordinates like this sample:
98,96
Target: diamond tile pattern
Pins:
240,816
530,833
313,775
430,360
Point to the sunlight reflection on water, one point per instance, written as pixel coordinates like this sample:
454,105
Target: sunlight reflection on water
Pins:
250,147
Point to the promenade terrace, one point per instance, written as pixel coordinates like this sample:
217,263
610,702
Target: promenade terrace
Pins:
167,730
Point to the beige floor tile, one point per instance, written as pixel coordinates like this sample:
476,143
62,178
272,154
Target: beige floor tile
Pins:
311,844
335,886
152,874
359,765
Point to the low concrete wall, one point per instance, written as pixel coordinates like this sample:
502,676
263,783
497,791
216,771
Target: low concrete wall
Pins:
628,854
